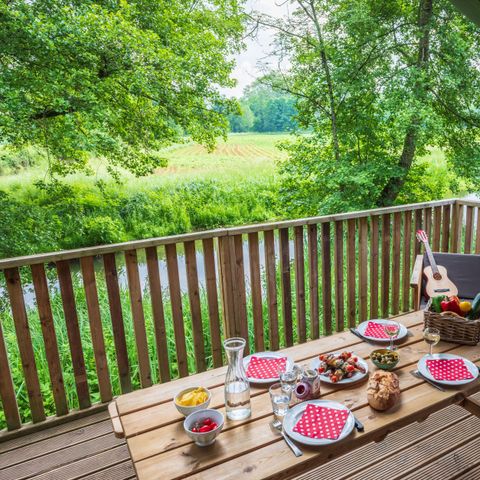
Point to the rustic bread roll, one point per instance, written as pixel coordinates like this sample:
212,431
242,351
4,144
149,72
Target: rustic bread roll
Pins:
383,390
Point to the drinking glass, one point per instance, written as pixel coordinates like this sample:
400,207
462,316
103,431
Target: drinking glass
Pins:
392,329
280,399
432,337
288,378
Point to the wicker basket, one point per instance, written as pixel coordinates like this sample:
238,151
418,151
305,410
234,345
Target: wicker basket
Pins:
452,327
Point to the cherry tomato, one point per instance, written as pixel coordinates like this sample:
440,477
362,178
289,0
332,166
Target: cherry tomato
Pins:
205,428
207,421
213,426
350,368
355,359
322,357
320,369
333,378
195,429
348,354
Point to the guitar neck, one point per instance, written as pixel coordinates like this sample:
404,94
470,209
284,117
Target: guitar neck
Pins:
431,260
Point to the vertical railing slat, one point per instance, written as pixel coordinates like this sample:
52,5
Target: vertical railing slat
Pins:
24,340
468,230
300,285
271,289
7,389
256,291
363,267
177,310
73,332
286,284
96,330
212,299
457,217
326,279
407,257
313,280
374,267
445,228
385,265
437,228
116,316
49,338
158,313
397,232
351,254
339,289
477,230
240,292
427,221
195,309
136,306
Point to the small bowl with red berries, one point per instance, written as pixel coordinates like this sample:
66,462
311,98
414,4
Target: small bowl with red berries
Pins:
203,426
340,367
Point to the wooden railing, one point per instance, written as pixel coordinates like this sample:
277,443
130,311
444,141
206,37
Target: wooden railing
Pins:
305,278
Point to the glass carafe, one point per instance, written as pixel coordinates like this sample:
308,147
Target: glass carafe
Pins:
237,388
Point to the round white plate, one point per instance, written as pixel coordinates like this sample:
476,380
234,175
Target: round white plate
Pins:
246,361
295,413
315,363
403,332
423,369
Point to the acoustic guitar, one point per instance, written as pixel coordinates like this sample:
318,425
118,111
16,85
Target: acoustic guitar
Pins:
438,282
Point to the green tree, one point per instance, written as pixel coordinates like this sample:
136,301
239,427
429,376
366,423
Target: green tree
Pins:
273,109
243,121
377,83
115,78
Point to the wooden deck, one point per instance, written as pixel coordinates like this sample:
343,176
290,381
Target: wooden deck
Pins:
81,449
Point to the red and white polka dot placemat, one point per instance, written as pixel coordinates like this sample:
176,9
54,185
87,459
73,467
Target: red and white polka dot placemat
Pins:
262,367
449,369
321,422
375,330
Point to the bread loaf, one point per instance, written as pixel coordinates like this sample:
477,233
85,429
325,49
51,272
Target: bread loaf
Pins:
383,390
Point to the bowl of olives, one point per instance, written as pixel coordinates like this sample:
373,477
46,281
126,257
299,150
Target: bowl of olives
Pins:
385,359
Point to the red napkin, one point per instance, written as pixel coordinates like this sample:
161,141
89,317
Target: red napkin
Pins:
261,367
321,422
375,330
449,369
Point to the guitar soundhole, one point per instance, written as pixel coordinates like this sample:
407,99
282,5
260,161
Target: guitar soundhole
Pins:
437,276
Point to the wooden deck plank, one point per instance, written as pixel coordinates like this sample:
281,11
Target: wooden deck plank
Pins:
93,464
121,471
33,450
60,458
341,468
7,445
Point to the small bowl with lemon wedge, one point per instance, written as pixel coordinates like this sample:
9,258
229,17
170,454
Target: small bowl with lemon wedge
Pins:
192,399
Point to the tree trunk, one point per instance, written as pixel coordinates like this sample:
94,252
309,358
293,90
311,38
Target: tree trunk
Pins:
393,186
328,78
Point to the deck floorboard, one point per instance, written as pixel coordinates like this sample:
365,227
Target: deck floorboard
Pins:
82,449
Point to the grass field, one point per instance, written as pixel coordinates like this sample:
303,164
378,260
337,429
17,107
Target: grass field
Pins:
241,157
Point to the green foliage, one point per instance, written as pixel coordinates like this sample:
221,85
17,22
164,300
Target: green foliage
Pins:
115,79
376,86
57,216
264,108
13,161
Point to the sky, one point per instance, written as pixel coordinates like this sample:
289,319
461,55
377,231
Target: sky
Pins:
257,49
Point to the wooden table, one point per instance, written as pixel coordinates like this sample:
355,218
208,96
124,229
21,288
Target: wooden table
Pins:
160,449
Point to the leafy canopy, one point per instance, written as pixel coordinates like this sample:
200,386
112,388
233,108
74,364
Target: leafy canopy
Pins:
114,78
378,84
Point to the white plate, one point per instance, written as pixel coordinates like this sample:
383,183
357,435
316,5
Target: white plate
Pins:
295,413
403,332
315,363
423,369
246,361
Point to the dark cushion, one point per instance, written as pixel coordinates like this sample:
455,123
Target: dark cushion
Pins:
463,270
